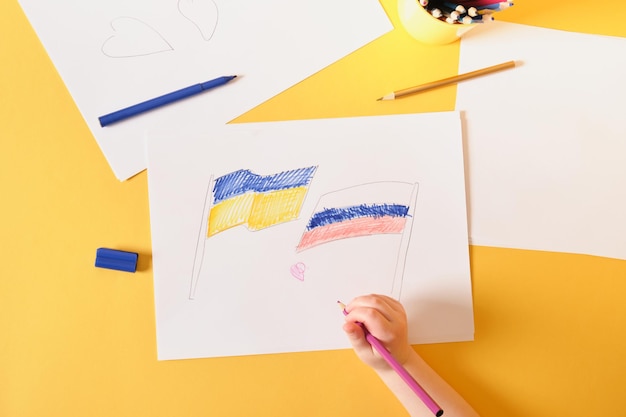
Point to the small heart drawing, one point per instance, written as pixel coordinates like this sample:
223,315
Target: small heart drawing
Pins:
297,271
133,38
202,13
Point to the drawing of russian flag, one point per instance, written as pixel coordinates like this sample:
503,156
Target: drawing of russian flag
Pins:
257,201
363,210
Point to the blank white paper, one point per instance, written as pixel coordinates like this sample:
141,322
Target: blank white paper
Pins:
113,54
245,290
546,141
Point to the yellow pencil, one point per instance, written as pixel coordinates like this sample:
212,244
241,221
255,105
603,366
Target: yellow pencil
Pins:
450,80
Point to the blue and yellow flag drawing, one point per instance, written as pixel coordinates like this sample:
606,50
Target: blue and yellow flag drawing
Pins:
257,201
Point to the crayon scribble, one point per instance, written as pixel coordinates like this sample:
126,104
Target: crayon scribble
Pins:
257,201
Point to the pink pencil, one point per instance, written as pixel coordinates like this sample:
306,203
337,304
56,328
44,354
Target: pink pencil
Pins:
406,377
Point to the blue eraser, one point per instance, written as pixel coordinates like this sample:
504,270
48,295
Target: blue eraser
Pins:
116,259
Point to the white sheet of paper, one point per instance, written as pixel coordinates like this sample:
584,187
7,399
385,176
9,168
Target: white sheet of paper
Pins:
252,291
113,54
546,153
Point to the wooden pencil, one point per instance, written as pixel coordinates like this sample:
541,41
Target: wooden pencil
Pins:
447,81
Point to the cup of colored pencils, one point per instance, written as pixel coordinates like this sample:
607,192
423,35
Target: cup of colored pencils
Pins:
444,21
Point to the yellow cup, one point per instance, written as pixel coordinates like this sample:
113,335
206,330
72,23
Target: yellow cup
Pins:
425,28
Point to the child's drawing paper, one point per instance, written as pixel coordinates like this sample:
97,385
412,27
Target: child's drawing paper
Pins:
546,153
259,229
113,54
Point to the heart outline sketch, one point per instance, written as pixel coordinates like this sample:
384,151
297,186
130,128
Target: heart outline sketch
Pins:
132,38
204,15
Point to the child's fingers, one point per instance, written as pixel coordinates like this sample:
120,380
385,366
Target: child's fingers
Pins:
376,323
387,306
356,336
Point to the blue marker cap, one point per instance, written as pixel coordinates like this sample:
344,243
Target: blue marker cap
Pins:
116,259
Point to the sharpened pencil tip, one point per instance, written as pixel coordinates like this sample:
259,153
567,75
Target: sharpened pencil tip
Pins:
390,96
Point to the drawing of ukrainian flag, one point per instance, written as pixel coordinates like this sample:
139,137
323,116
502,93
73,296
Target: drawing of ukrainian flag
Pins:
363,210
257,201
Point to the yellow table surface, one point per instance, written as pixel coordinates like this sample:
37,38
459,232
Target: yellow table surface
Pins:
76,340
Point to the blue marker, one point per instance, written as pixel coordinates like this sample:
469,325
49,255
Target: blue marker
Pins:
162,100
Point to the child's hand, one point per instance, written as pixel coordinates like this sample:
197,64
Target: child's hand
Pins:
385,319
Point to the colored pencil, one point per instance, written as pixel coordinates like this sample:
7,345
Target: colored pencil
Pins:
451,15
472,11
436,13
496,7
396,366
162,100
447,81
454,6
483,18
456,11
481,4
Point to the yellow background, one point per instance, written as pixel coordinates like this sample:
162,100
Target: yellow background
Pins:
80,341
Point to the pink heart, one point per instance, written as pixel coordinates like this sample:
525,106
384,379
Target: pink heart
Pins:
297,271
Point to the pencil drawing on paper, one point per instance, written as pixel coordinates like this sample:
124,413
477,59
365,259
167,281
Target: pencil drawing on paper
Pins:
202,13
379,208
244,198
132,37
